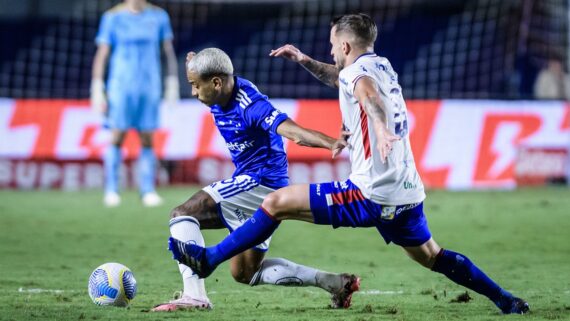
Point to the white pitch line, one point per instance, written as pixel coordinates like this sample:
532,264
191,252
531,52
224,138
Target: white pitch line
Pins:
379,292
367,292
22,290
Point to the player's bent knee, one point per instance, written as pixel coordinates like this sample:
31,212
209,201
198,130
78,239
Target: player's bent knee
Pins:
242,275
274,204
178,211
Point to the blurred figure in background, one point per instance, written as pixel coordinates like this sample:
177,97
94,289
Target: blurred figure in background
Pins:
129,41
552,82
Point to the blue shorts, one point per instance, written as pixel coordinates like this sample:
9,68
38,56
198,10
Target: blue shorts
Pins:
342,204
135,109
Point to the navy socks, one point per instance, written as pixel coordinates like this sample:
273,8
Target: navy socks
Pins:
458,268
253,232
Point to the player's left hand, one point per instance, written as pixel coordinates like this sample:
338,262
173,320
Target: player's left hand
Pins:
385,143
340,143
171,91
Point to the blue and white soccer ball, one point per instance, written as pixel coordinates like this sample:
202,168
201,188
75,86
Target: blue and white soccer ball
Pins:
112,284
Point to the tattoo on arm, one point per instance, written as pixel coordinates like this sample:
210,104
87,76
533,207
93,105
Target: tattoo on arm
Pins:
326,73
375,110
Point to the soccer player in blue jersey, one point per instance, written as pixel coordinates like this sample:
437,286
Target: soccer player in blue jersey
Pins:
384,189
130,39
252,129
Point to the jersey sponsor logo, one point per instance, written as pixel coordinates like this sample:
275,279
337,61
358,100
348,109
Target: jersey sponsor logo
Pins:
240,146
409,185
343,81
271,118
240,215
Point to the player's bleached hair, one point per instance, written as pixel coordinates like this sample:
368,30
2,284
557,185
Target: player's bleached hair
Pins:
361,26
211,62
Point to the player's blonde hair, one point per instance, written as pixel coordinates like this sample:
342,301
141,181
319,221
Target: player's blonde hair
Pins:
211,62
360,26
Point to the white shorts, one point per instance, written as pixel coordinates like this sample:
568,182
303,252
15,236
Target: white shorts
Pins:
238,198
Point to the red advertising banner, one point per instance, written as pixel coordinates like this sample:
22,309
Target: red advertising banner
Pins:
457,144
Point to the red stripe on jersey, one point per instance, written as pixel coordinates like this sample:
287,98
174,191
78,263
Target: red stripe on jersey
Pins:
365,137
347,197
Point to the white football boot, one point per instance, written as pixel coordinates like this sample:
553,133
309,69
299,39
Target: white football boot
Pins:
151,199
112,199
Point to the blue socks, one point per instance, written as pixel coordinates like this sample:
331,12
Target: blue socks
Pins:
461,270
112,165
253,232
147,163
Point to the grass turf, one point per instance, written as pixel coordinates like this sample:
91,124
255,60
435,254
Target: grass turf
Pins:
51,241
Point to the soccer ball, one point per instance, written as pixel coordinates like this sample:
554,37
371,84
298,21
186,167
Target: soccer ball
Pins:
112,284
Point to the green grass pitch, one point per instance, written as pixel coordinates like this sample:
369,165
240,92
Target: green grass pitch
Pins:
51,241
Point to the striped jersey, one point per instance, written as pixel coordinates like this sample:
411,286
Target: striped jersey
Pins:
396,182
248,125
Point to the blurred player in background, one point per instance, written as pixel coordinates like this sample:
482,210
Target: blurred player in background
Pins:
252,129
130,39
384,189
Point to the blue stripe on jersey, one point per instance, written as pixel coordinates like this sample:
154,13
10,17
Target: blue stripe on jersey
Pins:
241,186
240,190
248,124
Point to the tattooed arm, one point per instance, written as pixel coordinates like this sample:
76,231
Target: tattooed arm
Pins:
326,73
367,94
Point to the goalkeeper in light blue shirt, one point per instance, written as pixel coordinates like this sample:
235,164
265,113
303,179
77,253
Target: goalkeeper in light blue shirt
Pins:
129,41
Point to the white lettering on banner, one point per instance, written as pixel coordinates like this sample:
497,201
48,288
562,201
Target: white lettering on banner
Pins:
64,175
71,180
16,142
26,174
541,163
5,173
93,175
50,175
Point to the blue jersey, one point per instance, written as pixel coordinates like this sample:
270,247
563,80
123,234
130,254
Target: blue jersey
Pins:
248,124
136,41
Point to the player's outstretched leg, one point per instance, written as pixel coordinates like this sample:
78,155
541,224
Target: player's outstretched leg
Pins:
461,270
280,271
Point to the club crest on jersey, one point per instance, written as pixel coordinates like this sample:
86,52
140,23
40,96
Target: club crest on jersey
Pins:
240,146
388,212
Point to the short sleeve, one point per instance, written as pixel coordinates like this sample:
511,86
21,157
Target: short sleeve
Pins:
352,75
165,27
262,114
105,33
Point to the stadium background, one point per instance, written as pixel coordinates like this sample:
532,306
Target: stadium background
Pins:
467,69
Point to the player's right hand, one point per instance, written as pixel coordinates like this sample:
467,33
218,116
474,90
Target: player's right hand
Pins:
289,52
97,96
340,143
